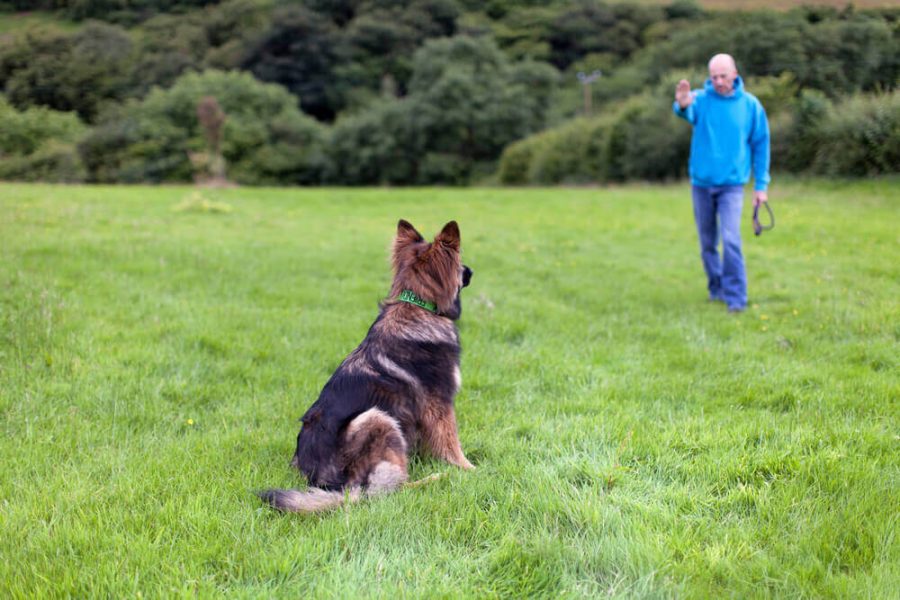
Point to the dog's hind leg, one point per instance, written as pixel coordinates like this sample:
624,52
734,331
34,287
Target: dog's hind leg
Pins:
374,458
374,453
439,434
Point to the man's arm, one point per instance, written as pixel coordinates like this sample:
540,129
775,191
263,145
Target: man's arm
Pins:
684,100
759,147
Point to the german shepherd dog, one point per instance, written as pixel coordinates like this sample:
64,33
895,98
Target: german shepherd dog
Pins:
394,392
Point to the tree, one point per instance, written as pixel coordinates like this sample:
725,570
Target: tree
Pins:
300,52
266,139
472,102
80,71
465,103
594,27
38,144
212,120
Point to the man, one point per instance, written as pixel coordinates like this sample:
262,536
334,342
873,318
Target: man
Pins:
731,132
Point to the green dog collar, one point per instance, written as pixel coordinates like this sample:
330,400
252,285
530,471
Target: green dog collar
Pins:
411,297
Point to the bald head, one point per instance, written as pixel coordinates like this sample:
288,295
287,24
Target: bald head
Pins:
722,73
722,61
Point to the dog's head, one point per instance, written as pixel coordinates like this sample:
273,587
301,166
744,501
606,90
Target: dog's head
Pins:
432,270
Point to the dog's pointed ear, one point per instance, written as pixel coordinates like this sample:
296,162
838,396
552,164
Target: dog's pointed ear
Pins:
407,234
449,235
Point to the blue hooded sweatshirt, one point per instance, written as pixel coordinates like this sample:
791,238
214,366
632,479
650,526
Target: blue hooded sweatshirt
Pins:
729,133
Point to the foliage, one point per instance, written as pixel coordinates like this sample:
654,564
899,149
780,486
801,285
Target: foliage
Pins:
683,9
646,144
381,145
125,12
573,153
38,144
523,32
472,102
53,161
331,54
217,37
639,141
594,27
776,94
212,120
381,40
265,140
465,103
501,71
67,72
23,132
794,134
836,56
300,52
516,161
859,137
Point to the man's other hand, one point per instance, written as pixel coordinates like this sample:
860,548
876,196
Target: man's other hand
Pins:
759,197
683,95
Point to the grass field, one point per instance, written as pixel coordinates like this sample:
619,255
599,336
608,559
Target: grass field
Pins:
631,439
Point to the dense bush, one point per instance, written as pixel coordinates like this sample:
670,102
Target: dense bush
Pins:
859,136
379,146
266,138
856,137
126,12
516,160
432,91
794,134
465,103
582,28
471,101
217,37
66,72
38,144
640,139
301,51
577,153
856,52
337,55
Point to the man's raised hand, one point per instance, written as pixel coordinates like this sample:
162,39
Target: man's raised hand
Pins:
683,94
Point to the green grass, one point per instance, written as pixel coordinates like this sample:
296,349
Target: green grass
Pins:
631,439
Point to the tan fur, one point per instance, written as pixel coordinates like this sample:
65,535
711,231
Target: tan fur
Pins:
429,270
311,500
442,439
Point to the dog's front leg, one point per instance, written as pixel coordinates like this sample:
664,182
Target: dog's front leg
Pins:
439,434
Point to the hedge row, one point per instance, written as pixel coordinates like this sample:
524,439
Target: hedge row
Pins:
642,140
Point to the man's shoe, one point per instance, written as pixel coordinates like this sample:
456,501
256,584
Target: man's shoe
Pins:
737,309
715,298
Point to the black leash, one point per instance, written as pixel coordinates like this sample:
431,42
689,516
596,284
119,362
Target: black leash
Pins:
758,227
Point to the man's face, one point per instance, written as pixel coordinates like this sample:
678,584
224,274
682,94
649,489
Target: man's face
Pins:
722,75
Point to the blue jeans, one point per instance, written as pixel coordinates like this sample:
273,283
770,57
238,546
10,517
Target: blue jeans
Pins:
719,209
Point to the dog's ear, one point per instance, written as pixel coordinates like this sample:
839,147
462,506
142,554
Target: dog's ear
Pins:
407,234
449,235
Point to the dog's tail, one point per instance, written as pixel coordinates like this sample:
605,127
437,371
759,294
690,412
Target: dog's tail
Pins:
385,478
374,452
308,501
